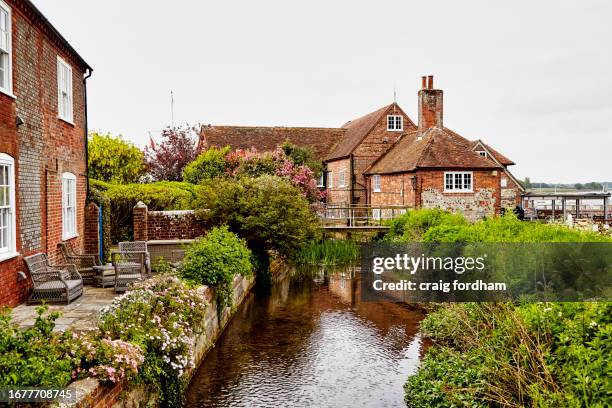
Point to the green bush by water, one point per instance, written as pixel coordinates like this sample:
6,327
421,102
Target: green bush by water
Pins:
215,259
329,252
506,354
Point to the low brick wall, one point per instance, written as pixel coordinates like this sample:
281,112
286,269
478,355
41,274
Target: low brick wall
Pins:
165,225
92,394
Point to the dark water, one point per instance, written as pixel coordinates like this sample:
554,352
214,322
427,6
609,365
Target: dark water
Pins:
311,343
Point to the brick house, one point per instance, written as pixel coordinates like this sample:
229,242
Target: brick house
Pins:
43,144
384,159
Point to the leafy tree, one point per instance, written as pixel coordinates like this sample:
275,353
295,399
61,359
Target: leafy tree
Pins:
209,164
579,186
527,183
114,160
302,156
268,212
167,159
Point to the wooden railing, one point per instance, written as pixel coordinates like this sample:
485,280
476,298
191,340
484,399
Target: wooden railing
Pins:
359,215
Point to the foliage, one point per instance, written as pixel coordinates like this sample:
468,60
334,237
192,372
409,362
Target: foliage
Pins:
413,224
215,259
160,315
302,156
209,164
267,211
166,160
160,196
114,160
329,252
533,354
102,201
506,354
250,163
38,356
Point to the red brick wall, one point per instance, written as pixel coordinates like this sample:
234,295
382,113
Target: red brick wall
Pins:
395,189
43,147
165,225
337,194
377,142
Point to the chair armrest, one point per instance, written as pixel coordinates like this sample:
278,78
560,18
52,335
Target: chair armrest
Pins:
70,268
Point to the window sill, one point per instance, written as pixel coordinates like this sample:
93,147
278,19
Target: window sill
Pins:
8,255
7,93
395,130
376,191
71,236
66,121
458,191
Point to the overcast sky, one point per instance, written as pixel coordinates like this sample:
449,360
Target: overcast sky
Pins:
531,78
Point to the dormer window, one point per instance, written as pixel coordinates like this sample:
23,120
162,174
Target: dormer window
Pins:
395,123
482,153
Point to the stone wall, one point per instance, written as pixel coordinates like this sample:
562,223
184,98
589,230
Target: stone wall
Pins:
483,201
92,394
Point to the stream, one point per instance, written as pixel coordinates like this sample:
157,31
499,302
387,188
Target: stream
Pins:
311,342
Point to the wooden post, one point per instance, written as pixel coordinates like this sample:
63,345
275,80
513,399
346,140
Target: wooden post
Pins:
564,207
577,208
605,209
553,208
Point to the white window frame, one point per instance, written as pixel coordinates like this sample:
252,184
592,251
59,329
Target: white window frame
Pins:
395,123
64,91
376,214
9,250
482,153
69,206
6,50
454,182
330,179
376,185
321,180
342,179
504,182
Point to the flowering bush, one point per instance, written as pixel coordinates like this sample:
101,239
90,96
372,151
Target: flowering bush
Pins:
161,316
103,358
38,356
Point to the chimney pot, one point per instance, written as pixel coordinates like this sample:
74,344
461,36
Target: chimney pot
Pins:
430,79
423,82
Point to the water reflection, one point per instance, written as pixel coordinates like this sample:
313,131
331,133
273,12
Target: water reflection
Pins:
311,342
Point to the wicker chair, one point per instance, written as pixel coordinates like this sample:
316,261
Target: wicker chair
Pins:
83,262
137,247
129,267
53,283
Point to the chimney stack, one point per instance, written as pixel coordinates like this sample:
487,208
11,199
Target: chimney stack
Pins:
430,105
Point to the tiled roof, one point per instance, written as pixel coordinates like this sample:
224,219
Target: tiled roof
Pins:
432,148
320,140
358,129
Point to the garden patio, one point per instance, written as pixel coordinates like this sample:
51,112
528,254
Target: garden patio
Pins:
81,314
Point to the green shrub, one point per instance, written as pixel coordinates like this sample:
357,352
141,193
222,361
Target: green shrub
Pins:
40,357
532,354
412,225
329,252
209,164
269,212
159,196
215,259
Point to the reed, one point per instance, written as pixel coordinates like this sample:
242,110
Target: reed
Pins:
329,252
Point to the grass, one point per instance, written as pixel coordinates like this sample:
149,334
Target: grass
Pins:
329,252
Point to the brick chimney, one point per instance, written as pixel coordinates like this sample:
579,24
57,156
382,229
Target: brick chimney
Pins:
430,105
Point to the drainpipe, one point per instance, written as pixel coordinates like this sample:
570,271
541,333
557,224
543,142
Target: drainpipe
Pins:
87,75
352,180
